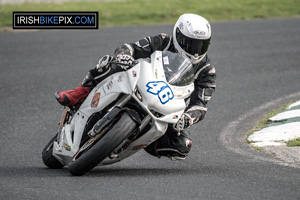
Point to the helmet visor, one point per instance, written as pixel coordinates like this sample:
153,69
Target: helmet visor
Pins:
191,45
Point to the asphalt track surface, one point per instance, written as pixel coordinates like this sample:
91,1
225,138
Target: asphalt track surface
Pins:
257,65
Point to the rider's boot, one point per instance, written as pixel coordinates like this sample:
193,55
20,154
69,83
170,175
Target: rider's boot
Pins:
78,95
72,97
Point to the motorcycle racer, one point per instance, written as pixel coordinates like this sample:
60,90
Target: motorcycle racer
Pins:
191,38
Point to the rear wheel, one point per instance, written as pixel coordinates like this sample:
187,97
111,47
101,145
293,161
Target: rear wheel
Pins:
48,158
87,159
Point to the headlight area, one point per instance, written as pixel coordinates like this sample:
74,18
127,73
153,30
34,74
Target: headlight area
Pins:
156,114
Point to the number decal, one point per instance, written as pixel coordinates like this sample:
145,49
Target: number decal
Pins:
161,89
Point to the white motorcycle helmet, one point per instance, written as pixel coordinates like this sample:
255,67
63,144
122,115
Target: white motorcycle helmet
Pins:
191,37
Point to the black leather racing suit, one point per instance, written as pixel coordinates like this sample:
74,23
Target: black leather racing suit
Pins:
172,144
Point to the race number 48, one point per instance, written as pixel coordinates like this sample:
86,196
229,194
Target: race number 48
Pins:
161,89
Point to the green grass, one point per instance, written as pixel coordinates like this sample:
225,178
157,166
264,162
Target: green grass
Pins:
264,123
145,12
293,143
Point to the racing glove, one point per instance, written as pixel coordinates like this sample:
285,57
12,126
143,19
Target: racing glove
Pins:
127,60
184,122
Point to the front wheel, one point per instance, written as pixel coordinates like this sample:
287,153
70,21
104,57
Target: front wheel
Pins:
93,155
48,158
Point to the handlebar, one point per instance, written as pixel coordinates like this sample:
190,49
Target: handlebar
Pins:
125,64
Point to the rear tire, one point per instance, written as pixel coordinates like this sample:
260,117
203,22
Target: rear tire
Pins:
92,156
48,158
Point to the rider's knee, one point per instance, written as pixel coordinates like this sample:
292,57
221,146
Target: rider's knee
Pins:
172,146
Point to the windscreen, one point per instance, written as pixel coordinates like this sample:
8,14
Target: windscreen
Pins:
178,70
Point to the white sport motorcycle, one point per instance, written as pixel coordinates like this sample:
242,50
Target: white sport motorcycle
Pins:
123,114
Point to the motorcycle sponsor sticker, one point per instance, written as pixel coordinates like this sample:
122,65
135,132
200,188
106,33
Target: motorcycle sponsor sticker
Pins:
67,147
110,85
161,89
95,100
133,73
120,79
166,60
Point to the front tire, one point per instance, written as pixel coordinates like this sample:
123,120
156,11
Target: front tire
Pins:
92,156
48,158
